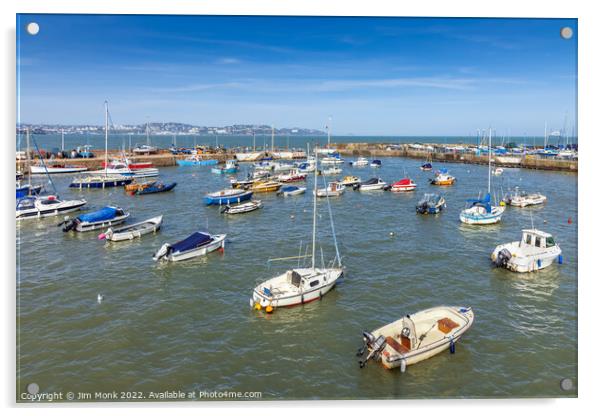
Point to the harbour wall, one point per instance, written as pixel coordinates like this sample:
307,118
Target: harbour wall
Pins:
372,150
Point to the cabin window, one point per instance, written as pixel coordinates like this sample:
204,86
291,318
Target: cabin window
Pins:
528,239
314,283
550,242
537,241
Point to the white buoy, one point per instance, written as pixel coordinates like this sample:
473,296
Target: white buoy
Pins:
99,298
292,216
391,233
403,365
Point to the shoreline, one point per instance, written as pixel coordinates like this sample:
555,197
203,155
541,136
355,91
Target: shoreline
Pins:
372,150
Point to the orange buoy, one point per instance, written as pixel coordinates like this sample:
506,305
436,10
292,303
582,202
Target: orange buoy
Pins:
269,309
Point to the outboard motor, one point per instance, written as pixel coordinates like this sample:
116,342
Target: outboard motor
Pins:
503,256
69,225
376,345
162,252
422,208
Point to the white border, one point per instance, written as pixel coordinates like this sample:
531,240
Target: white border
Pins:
589,119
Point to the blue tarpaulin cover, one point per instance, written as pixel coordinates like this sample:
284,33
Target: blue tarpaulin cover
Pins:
103,214
195,240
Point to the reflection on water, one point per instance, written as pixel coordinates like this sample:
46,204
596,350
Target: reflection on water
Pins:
188,325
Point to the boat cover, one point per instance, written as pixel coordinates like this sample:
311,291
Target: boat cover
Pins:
195,240
427,165
444,170
106,213
377,162
289,188
405,181
372,181
485,202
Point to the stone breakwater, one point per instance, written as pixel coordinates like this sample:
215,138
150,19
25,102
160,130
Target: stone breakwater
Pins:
439,155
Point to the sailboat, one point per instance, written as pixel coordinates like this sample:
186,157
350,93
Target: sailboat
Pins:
106,180
480,211
300,285
27,189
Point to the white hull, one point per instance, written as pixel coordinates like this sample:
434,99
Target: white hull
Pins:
137,230
285,295
523,202
51,211
216,244
375,187
295,192
91,226
523,261
508,160
40,170
480,217
249,157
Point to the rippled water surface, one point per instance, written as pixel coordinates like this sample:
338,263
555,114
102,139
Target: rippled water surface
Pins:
188,326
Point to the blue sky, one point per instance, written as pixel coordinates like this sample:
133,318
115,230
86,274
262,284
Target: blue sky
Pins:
390,76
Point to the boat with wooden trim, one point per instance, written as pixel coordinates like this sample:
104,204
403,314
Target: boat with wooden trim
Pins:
135,185
242,208
156,188
416,337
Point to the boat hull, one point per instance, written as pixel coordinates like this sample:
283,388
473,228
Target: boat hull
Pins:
228,199
51,212
83,227
527,263
40,170
109,183
135,230
217,243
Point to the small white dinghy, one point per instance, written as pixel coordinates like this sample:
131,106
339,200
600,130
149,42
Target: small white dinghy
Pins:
291,190
197,244
129,232
416,337
535,251
523,199
332,171
242,208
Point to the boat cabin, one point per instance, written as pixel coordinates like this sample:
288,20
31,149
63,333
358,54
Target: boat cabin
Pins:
536,238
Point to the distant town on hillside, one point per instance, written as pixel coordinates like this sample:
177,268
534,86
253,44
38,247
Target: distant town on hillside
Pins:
168,129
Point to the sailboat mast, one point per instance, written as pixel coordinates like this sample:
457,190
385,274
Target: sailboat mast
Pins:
489,165
147,136
107,136
313,238
63,139
328,130
272,138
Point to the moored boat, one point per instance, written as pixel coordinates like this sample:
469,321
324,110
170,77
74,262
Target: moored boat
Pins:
376,163
443,178
416,337
242,208
227,197
291,190
265,186
196,160
55,168
27,190
294,175
156,188
350,181
102,218
536,250
426,166
430,204
135,185
333,189
332,171
523,199
45,206
482,212
373,184
109,181
197,244
360,162
129,232
403,185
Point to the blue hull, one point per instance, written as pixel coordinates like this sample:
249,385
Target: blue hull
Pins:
157,189
27,191
227,200
100,185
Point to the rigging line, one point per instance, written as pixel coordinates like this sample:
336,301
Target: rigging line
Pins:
334,236
45,167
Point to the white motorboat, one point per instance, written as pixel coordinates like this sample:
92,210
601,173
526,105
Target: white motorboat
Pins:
403,185
197,244
374,184
103,218
524,199
497,171
294,175
303,284
283,167
332,171
242,208
291,190
332,160
55,168
129,232
417,337
45,206
360,162
536,250
118,167
144,149
350,180
333,189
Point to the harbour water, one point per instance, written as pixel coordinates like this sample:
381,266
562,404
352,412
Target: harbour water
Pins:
188,326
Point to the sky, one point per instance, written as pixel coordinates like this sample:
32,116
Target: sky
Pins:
370,76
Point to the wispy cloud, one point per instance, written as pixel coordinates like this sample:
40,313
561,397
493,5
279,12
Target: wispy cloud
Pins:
228,61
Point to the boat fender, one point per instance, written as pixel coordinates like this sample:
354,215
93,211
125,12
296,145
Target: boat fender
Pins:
539,263
560,259
320,295
452,346
403,365
302,300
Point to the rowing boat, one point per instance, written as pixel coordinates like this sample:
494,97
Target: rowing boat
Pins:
129,232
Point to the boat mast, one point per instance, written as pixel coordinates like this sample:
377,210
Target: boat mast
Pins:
253,139
313,238
28,163
545,135
328,130
106,136
489,165
63,139
272,138
147,136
